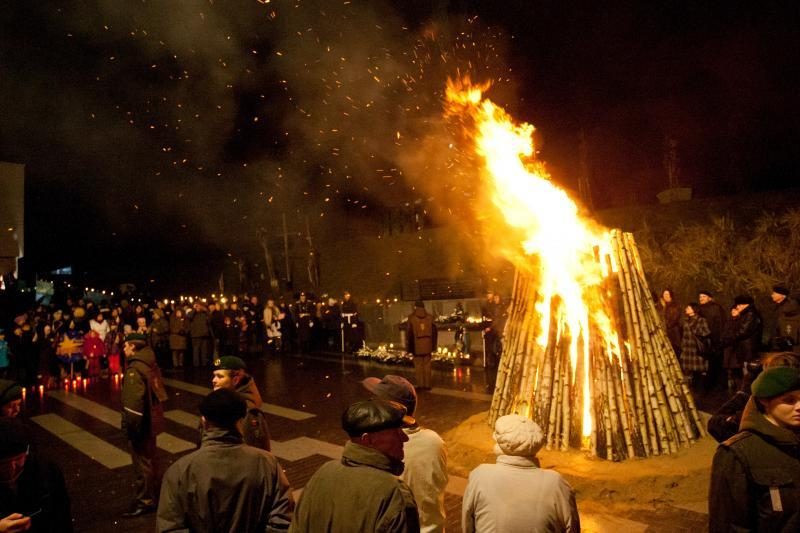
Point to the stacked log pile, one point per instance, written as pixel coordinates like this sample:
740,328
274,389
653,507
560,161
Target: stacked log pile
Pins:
639,405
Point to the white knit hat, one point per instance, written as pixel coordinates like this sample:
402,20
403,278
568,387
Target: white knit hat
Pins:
518,435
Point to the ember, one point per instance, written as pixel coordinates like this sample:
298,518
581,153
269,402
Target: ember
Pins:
585,353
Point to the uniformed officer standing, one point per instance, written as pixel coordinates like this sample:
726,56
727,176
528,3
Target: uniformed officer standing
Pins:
352,328
305,312
143,394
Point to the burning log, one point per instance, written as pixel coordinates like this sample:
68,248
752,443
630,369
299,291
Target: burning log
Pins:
627,397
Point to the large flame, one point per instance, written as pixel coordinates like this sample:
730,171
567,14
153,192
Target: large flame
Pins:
555,242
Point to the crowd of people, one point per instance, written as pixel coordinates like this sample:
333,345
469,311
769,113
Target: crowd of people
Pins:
393,472
84,338
719,348
392,475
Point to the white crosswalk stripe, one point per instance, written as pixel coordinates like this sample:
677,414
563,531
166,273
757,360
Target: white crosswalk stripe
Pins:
165,441
83,441
269,408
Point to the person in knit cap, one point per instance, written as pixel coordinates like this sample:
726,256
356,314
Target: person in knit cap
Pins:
425,453
755,476
514,494
225,485
10,398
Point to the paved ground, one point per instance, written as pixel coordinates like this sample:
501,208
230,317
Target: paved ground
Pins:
305,397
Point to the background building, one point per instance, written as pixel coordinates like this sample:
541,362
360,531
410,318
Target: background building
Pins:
12,216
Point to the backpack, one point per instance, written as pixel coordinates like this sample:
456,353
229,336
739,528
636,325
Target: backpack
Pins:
256,431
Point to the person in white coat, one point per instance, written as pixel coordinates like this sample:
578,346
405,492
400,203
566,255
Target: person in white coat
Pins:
514,494
425,454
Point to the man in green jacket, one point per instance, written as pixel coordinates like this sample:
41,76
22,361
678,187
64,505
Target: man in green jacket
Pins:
755,477
362,493
225,485
142,419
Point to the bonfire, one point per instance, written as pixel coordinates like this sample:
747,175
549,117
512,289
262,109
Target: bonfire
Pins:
585,353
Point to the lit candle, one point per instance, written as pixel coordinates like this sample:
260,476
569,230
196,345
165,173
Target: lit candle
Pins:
24,393
41,390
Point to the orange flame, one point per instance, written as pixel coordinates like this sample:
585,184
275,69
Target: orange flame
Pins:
555,243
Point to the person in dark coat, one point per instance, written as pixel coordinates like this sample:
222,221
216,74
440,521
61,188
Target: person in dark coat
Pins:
671,315
159,336
361,492
225,485
200,332
749,326
715,318
33,495
143,395
305,313
178,329
352,327
785,334
755,476
421,340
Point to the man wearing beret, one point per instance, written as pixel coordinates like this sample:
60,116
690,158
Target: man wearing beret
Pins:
225,485
143,394
755,477
230,372
362,493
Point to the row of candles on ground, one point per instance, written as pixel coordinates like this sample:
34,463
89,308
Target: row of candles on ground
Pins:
74,384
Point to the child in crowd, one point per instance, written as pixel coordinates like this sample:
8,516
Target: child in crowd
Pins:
94,350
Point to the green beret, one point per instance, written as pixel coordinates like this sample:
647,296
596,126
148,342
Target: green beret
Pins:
136,337
229,362
776,381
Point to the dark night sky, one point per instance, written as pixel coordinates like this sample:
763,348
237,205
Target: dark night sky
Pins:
169,130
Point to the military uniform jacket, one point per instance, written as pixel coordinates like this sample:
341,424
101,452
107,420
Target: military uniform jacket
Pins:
755,479
143,394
